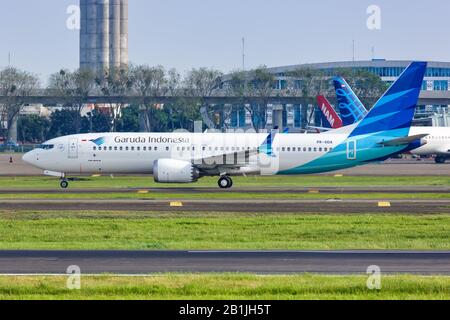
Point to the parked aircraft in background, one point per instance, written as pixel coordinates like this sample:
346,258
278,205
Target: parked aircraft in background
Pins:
329,115
352,111
187,157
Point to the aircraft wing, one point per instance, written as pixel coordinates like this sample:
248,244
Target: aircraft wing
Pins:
226,160
236,159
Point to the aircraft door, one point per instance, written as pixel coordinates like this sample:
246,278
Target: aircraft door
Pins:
351,150
73,148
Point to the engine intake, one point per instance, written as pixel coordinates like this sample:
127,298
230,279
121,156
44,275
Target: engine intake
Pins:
174,171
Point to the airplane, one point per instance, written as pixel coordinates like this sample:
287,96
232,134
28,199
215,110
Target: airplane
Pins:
330,118
353,110
187,157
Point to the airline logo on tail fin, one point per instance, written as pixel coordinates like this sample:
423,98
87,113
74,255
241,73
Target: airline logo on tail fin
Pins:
395,110
351,108
329,115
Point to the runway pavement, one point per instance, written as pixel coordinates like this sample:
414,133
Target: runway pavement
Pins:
391,167
236,190
260,262
331,206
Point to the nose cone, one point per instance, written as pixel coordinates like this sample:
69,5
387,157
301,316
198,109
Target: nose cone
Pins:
28,158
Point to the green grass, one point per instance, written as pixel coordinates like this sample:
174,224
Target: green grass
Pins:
273,181
226,196
190,231
226,287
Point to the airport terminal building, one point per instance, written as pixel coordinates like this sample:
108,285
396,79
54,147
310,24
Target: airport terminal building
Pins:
437,81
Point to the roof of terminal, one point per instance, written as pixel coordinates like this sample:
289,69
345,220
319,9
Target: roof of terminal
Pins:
381,63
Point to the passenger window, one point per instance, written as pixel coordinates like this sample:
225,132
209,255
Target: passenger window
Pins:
138,148
145,148
121,148
95,148
127,148
110,148
156,148
309,149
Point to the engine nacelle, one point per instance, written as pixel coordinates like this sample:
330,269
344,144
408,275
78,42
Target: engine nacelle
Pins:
174,171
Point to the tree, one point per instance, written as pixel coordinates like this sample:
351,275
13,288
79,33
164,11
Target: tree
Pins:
33,129
14,83
77,85
237,85
261,86
96,121
129,121
117,82
203,82
150,82
62,123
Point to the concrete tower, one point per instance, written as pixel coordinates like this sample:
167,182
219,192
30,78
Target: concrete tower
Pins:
103,34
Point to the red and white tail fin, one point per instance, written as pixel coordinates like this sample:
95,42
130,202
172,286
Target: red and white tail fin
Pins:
329,114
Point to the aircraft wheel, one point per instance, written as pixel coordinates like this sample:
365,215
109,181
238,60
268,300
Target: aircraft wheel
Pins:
225,182
64,184
440,160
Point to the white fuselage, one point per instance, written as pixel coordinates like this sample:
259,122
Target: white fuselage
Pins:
133,153
437,141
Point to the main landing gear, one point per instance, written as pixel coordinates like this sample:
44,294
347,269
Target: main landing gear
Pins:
225,182
440,159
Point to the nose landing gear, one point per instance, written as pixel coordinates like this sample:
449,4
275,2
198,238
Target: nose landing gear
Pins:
225,182
64,184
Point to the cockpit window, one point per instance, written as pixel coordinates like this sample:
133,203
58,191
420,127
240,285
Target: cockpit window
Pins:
46,146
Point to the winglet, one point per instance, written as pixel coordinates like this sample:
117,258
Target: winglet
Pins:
266,147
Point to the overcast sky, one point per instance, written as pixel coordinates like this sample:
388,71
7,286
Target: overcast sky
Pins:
194,33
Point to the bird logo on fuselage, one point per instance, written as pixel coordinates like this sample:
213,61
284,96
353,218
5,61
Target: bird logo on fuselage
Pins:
98,141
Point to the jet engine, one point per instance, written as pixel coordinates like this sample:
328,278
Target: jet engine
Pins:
174,171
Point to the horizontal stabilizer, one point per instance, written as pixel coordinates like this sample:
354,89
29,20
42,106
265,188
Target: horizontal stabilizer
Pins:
403,141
